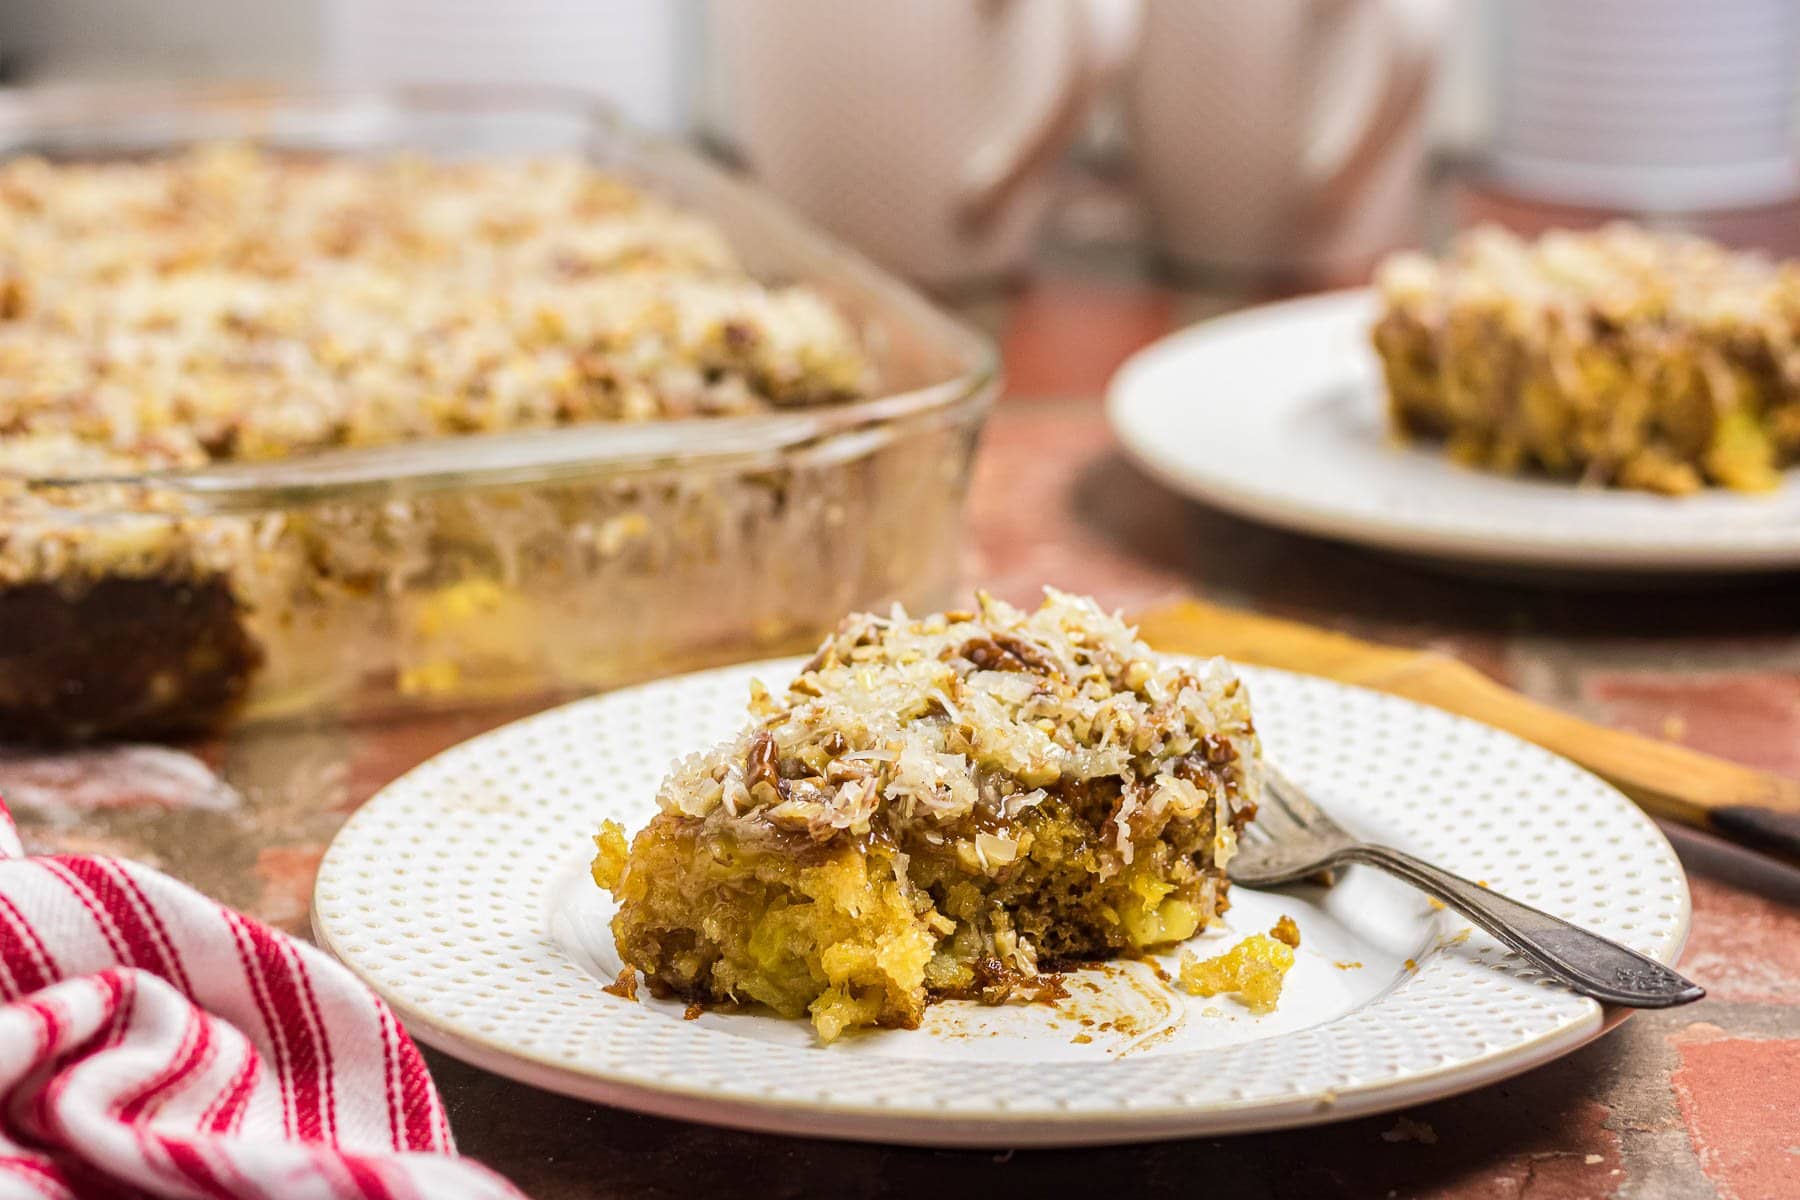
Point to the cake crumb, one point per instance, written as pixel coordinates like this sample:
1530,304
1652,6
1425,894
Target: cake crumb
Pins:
625,986
1252,970
610,851
1287,932
1349,965
692,1012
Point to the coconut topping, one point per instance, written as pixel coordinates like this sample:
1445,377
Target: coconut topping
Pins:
953,726
1621,274
233,304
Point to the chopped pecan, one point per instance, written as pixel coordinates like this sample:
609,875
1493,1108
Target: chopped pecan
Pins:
988,655
1025,652
763,763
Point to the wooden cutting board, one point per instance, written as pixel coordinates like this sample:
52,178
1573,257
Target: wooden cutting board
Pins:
1752,808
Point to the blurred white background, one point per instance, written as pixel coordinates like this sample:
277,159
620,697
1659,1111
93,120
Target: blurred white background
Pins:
643,55
1555,128
653,63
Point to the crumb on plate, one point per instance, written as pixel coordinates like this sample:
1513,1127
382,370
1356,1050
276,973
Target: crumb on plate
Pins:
1252,970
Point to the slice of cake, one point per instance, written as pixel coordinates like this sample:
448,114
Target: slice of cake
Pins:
953,806
1619,357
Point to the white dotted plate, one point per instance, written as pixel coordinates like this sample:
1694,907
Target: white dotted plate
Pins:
461,894
1293,394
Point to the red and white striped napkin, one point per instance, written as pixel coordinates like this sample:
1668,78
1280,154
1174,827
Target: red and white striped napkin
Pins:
154,1043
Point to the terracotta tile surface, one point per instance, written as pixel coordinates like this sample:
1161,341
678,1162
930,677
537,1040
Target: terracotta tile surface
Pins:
1053,503
1750,716
1066,338
286,874
1745,946
1678,1104
1737,1097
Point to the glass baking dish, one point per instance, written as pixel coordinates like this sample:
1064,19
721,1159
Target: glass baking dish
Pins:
463,570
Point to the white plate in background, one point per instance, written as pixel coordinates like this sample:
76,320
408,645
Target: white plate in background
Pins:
1276,414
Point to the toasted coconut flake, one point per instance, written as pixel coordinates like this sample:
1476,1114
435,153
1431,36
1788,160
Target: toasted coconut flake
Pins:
892,713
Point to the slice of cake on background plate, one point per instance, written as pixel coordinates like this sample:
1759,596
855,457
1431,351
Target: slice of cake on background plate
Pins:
1619,357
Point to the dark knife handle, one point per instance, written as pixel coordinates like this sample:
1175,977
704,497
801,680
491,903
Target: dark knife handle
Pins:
1772,831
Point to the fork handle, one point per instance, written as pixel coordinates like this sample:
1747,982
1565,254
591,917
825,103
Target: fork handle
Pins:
1592,965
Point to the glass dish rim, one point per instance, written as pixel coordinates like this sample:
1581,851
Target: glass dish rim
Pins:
509,458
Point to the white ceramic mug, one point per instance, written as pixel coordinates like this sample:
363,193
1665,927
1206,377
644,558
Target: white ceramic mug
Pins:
923,132
1648,105
1282,138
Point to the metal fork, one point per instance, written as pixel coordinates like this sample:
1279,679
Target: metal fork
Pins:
1292,838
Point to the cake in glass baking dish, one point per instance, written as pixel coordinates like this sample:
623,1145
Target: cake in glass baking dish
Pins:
234,380
1619,357
950,806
